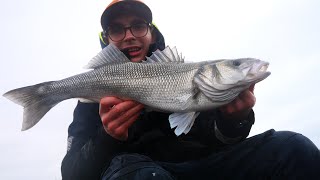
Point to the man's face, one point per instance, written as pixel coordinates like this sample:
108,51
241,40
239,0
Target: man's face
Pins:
134,47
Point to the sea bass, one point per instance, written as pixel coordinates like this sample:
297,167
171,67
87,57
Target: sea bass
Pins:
163,82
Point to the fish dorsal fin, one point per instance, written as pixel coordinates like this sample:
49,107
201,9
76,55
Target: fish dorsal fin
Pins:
168,55
108,55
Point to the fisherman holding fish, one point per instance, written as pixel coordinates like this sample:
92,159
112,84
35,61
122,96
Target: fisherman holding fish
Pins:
215,148
127,134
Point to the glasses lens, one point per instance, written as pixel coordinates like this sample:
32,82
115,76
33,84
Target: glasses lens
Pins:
116,33
139,30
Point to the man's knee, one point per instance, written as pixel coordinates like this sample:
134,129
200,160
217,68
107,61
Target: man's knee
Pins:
302,147
135,166
296,142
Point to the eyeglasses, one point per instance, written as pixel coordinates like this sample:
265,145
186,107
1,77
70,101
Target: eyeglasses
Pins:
117,32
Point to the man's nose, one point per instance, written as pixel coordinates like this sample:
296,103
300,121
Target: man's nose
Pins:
128,35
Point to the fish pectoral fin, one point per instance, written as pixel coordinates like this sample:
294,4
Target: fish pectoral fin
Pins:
168,55
108,55
182,121
186,101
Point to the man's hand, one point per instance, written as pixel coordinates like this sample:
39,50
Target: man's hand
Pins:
240,107
117,116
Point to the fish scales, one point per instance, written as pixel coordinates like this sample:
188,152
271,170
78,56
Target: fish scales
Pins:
161,89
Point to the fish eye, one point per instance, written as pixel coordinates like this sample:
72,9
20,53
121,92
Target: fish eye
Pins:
236,63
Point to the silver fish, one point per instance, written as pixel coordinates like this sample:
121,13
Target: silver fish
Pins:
163,82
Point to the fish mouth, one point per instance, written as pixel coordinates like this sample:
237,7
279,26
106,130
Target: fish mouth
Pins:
263,68
258,73
258,69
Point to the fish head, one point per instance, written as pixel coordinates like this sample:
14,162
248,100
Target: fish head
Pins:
241,71
236,74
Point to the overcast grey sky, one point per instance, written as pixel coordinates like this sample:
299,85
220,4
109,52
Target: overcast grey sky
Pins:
43,40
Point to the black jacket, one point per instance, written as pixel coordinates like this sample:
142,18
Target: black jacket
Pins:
90,148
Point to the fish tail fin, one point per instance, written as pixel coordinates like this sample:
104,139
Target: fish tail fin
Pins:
36,101
182,121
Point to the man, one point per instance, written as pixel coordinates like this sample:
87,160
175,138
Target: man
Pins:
216,146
